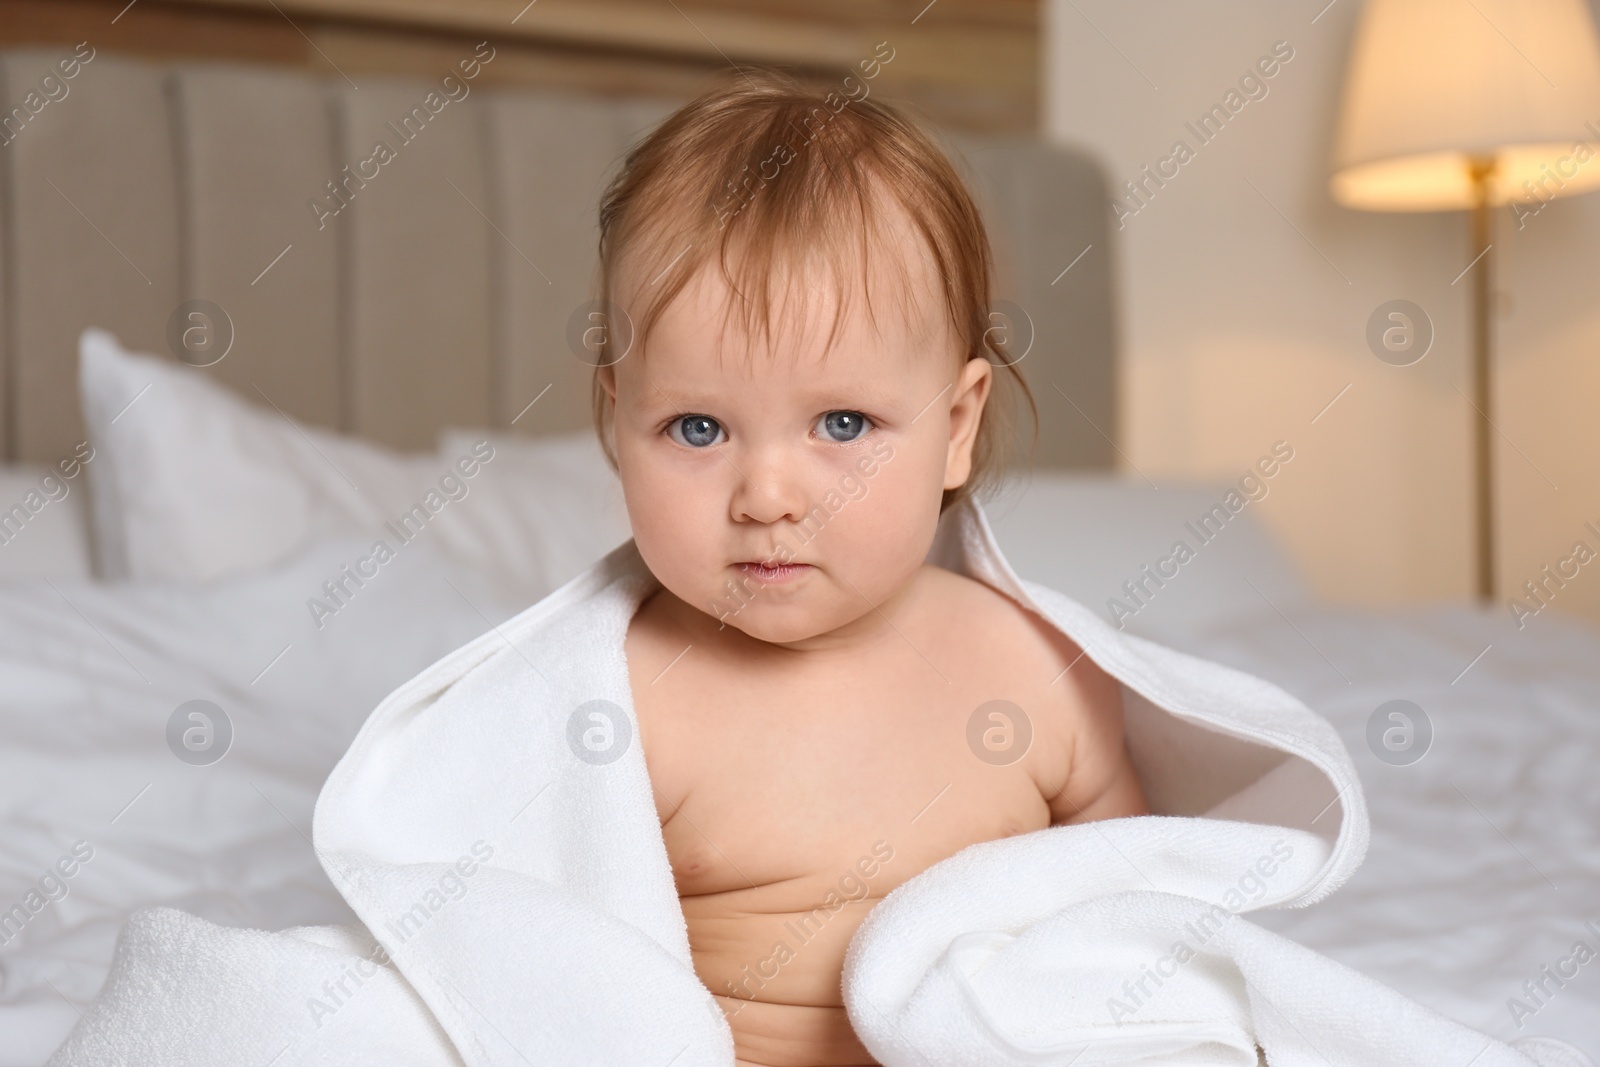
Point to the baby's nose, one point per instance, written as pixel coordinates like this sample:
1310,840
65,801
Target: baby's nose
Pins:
769,489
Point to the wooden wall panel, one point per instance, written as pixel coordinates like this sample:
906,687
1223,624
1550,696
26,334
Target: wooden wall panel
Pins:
92,221
419,296
256,145
552,157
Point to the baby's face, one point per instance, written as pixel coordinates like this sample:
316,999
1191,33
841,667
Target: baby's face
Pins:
829,467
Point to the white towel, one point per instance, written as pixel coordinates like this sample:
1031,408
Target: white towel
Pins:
517,905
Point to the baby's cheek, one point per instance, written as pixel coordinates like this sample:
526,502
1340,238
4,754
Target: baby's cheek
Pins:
907,489
662,527
687,571
885,534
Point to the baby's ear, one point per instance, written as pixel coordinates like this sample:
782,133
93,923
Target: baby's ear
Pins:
966,416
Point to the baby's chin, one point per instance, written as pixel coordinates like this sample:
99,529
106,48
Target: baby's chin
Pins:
784,624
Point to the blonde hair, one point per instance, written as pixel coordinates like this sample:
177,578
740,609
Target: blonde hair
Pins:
779,172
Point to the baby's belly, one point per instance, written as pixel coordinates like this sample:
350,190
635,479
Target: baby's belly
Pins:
776,973
772,899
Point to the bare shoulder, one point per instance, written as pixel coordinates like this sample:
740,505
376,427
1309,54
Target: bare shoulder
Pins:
1009,633
1088,775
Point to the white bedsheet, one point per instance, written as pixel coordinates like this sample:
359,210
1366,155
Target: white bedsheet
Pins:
89,675
1484,864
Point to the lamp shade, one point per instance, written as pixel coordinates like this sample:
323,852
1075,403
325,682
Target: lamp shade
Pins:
1436,87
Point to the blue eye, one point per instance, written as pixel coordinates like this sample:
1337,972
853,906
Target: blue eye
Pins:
843,426
695,431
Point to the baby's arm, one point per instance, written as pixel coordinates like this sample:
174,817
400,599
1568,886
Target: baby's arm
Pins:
1101,782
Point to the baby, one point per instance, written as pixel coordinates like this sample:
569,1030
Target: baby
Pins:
803,680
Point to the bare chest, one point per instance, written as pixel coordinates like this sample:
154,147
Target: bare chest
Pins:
778,783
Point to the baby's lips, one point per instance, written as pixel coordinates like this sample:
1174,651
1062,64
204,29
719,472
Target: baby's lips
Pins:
775,571
771,561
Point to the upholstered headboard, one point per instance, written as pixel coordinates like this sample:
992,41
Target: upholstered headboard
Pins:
439,294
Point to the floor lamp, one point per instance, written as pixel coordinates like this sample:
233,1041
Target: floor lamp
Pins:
1453,105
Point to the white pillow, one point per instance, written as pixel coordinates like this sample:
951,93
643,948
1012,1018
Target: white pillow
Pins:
1087,535
191,483
550,507
44,525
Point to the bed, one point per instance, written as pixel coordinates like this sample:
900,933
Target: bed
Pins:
194,623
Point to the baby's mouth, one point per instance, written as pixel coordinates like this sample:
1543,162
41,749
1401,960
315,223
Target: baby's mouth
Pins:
775,574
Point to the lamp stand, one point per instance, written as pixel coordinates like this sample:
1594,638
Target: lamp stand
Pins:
1482,318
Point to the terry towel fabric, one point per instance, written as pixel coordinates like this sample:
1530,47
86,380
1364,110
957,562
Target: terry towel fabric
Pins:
517,905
